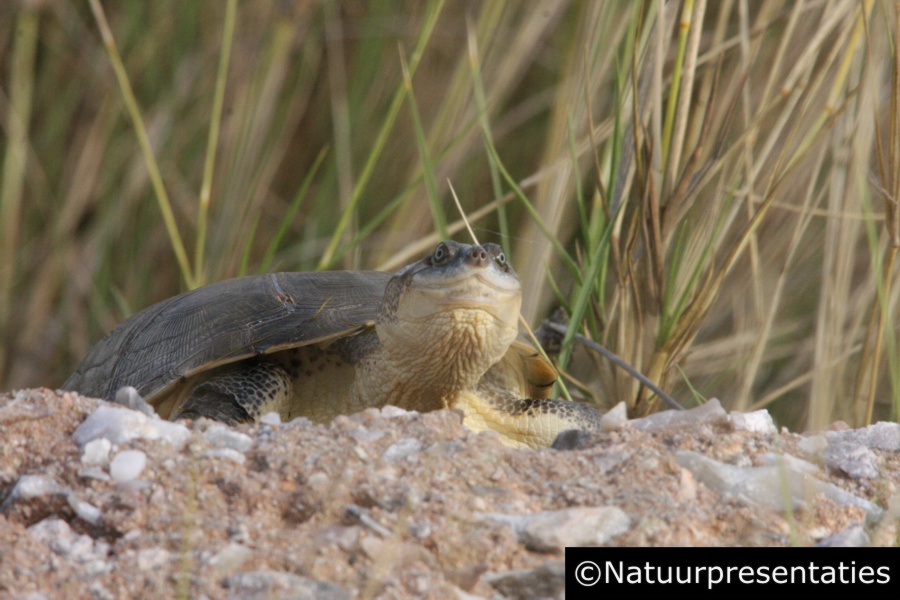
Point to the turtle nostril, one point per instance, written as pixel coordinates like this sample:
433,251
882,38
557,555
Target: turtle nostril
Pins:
478,257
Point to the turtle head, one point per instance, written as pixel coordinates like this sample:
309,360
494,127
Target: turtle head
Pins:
455,277
461,299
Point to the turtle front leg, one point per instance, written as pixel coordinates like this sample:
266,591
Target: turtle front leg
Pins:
239,393
524,422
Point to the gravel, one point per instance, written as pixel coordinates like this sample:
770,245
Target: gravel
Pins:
101,501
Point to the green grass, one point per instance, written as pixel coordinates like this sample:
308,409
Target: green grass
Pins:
709,192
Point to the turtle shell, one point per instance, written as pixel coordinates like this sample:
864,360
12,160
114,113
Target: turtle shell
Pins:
226,322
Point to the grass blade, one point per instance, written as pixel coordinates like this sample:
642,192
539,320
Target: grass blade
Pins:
213,141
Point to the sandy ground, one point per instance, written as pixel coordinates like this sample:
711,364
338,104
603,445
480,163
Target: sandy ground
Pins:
391,504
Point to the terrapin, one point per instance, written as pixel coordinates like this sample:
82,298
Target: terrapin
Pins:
439,333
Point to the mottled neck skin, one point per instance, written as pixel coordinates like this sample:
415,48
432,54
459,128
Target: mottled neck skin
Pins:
426,368
444,322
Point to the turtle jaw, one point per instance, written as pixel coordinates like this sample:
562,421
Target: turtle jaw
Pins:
501,298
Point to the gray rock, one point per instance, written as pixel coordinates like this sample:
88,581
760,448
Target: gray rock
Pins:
880,436
38,486
225,437
553,530
852,459
545,581
33,486
23,407
850,451
766,486
772,459
854,537
813,445
78,548
710,412
266,585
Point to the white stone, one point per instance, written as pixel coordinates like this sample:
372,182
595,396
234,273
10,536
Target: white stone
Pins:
34,486
55,533
96,452
225,437
615,418
226,454
553,530
401,449
152,558
60,538
127,465
85,510
129,397
230,558
271,418
708,412
93,473
390,411
758,421
121,425
813,445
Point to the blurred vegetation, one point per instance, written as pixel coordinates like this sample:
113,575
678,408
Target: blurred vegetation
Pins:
708,188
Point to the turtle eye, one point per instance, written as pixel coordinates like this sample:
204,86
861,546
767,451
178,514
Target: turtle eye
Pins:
501,259
441,253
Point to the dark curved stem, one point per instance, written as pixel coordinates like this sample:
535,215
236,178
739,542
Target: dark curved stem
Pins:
616,359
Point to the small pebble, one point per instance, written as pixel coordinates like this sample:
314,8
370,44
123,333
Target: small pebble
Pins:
401,449
615,418
227,454
127,465
758,421
129,397
225,437
230,558
96,452
85,510
152,558
271,418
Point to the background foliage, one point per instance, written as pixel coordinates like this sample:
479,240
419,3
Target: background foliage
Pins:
708,188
